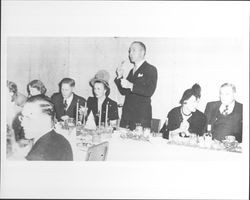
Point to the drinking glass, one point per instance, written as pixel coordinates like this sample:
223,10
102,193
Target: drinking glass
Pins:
146,132
71,122
139,129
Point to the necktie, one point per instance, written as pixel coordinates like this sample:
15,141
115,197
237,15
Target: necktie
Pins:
225,111
65,105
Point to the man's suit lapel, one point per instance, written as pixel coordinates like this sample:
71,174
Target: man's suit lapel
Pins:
132,76
215,112
61,102
73,102
139,70
236,108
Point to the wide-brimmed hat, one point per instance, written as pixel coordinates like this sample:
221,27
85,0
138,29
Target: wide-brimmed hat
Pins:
102,76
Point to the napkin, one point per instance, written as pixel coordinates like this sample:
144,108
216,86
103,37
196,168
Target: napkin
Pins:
90,123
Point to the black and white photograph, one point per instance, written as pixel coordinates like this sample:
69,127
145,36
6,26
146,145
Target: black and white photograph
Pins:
116,99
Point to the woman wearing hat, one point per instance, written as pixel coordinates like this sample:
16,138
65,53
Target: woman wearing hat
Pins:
186,119
101,101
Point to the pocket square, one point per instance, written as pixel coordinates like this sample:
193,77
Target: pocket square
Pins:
140,75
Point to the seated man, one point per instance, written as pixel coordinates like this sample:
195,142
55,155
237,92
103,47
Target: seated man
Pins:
38,120
65,102
225,116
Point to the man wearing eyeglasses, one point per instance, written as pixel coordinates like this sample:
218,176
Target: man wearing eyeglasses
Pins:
37,121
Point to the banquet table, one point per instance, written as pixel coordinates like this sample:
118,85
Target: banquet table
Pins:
156,149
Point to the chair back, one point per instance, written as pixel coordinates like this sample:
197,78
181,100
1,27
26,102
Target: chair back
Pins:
97,152
155,125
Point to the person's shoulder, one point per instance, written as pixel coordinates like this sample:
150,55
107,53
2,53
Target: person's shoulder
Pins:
57,138
46,147
46,98
174,110
213,103
149,66
54,134
238,105
79,97
199,114
91,99
111,101
56,95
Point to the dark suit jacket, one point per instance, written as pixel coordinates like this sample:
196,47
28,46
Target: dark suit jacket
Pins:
51,146
57,100
112,111
197,122
137,104
43,96
234,126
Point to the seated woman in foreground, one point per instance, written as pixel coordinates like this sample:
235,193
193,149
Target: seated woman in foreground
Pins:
186,119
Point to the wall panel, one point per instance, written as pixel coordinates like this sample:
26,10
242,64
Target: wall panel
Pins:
181,62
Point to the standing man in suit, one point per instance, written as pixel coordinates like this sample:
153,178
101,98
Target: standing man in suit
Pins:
138,88
225,116
65,102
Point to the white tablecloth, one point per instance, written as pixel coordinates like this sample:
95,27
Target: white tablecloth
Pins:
157,149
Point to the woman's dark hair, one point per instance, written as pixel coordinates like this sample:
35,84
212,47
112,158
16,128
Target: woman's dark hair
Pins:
38,85
12,88
194,91
105,87
47,107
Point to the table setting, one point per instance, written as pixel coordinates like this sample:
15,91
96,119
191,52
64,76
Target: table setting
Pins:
86,134
205,142
139,144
